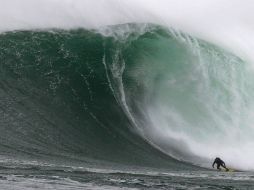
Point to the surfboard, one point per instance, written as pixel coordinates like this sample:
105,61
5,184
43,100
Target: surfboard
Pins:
229,170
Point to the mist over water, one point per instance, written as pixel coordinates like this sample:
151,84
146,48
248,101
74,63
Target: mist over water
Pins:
227,22
196,98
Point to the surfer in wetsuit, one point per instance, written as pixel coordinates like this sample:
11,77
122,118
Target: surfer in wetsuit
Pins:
219,163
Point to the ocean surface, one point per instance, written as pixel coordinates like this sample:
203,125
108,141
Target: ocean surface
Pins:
128,105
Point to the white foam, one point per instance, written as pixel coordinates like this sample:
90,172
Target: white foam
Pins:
227,22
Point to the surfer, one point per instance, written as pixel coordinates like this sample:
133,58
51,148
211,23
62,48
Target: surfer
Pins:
219,163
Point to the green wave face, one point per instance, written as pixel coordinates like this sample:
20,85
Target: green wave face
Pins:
91,94
195,99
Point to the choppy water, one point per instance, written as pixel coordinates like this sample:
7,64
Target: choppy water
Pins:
66,177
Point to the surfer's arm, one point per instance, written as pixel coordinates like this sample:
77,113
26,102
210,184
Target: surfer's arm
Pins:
213,163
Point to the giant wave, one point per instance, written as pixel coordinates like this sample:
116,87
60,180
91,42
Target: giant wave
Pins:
84,85
89,94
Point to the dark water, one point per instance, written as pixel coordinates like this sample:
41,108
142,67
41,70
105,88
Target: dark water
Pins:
51,177
72,112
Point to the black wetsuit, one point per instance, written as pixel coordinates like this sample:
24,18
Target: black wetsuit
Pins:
219,163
